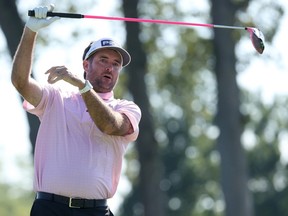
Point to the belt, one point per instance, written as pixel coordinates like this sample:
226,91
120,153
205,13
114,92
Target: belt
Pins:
72,202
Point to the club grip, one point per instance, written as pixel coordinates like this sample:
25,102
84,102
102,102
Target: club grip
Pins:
53,14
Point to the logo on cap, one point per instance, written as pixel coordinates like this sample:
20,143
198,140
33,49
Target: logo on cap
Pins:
107,43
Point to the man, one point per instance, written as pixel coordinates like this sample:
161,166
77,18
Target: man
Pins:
83,134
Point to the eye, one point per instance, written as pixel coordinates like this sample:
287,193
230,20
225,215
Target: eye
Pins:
116,64
103,60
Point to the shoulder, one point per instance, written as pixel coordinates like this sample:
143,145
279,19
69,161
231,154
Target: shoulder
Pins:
126,104
130,109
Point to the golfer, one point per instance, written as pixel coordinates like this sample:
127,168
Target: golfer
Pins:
84,133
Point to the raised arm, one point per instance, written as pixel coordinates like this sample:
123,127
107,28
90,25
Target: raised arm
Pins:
21,69
106,119
22,63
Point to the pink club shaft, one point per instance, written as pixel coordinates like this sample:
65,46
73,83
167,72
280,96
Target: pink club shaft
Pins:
256,35
128,19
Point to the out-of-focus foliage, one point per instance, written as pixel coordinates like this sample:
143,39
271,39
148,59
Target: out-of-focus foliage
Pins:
266,131
183,97
182,93
14,201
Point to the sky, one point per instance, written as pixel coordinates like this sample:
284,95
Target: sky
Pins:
266,73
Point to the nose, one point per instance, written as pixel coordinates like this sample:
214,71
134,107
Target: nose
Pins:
109,67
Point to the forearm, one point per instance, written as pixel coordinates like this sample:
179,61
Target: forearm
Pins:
106,119
22,62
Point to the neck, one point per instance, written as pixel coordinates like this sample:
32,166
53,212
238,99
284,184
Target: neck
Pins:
106,95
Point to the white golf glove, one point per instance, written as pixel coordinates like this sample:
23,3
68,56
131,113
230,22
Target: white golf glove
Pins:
40,20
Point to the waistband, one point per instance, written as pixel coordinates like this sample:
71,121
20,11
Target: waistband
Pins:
72,202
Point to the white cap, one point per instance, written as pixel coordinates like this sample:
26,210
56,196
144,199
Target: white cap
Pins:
109,43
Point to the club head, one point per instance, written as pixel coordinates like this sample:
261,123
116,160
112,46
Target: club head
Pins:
257,39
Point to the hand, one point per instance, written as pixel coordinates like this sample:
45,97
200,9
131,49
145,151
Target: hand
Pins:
40,20
58,73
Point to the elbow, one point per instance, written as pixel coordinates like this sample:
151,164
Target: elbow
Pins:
115,128
109,128
18,82
15,77
15,82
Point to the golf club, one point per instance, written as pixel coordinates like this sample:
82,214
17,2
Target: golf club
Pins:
256,36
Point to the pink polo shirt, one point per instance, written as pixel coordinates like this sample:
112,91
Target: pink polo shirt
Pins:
72,156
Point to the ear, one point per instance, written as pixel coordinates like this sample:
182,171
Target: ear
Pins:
85,65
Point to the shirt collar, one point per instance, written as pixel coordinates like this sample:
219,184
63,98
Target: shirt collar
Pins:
107,95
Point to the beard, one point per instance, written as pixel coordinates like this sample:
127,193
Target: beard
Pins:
103,85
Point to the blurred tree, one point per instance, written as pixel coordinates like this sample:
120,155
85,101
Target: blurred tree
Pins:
180,86
234,171
234,179
178,96
178,129
266,130
147,147
9,17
